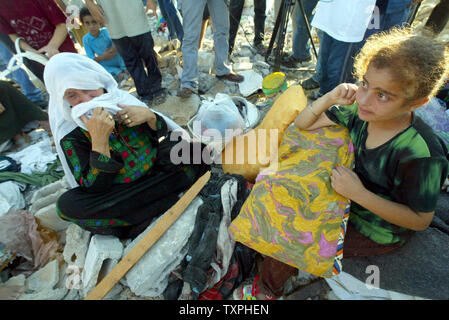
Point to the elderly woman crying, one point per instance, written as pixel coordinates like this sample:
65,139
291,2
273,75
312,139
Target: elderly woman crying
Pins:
115,151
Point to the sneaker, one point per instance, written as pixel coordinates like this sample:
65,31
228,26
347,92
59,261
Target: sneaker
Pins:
184,93
291,62
310,84
260,49
147,100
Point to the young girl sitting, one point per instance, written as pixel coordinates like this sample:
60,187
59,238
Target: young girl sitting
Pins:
400,164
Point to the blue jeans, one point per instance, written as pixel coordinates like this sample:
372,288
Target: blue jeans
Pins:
192,13
171,16
301,42
334,57
20,76
396,15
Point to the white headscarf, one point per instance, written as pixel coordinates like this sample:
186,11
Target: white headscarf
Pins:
69,70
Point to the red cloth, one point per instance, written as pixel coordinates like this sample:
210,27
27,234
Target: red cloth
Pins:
34,20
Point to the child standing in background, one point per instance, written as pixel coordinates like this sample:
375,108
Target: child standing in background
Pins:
99,47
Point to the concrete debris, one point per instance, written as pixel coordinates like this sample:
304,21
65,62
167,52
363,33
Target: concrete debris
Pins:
103,254
77,244
45,278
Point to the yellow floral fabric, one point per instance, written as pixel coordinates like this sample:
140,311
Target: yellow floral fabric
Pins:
293,214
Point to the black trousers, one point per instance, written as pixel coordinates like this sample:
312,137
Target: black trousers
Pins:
137,53
235,14
438,17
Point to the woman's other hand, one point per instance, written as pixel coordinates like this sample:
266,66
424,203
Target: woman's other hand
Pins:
343,94
132,116
2,108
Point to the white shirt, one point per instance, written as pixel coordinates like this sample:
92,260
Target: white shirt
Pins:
125,18
344,20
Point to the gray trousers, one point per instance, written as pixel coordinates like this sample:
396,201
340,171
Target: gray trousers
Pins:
192,15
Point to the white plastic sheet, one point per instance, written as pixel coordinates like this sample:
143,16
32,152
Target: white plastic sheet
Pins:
10,197
346,287
149,276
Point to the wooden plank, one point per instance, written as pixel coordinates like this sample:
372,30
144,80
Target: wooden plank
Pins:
120,270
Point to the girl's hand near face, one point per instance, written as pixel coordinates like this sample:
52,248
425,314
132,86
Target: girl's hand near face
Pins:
132,116
347,183
343,94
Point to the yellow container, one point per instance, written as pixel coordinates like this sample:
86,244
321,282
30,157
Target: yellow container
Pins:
274,84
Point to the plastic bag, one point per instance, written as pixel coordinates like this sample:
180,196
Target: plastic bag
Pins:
219,114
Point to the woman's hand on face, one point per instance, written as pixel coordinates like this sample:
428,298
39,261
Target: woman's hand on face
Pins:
347,183
132,116
343,94
100,125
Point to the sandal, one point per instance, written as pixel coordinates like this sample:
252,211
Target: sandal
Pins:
160,97
249,292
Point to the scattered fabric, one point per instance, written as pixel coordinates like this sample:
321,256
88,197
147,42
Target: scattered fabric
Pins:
36,157
293,214
52,174
209,259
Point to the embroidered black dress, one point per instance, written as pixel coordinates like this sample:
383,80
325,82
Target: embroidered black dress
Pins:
122,194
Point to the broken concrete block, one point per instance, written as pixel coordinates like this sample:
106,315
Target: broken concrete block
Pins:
50,189
77,243
103,254
48,218
149,276
16,281
112,295
47,294
45,278
40,203
72,295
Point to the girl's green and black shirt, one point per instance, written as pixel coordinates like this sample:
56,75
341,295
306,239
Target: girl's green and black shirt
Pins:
409,169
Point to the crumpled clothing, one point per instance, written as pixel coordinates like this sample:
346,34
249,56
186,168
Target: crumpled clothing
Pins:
36,157
210,246
241,267
20,233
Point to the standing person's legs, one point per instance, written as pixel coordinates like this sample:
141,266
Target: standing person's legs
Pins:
192,14
145,44
164,13
220,20
438,17
260,8
175,22
335,55
301,43
130,54
235,14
